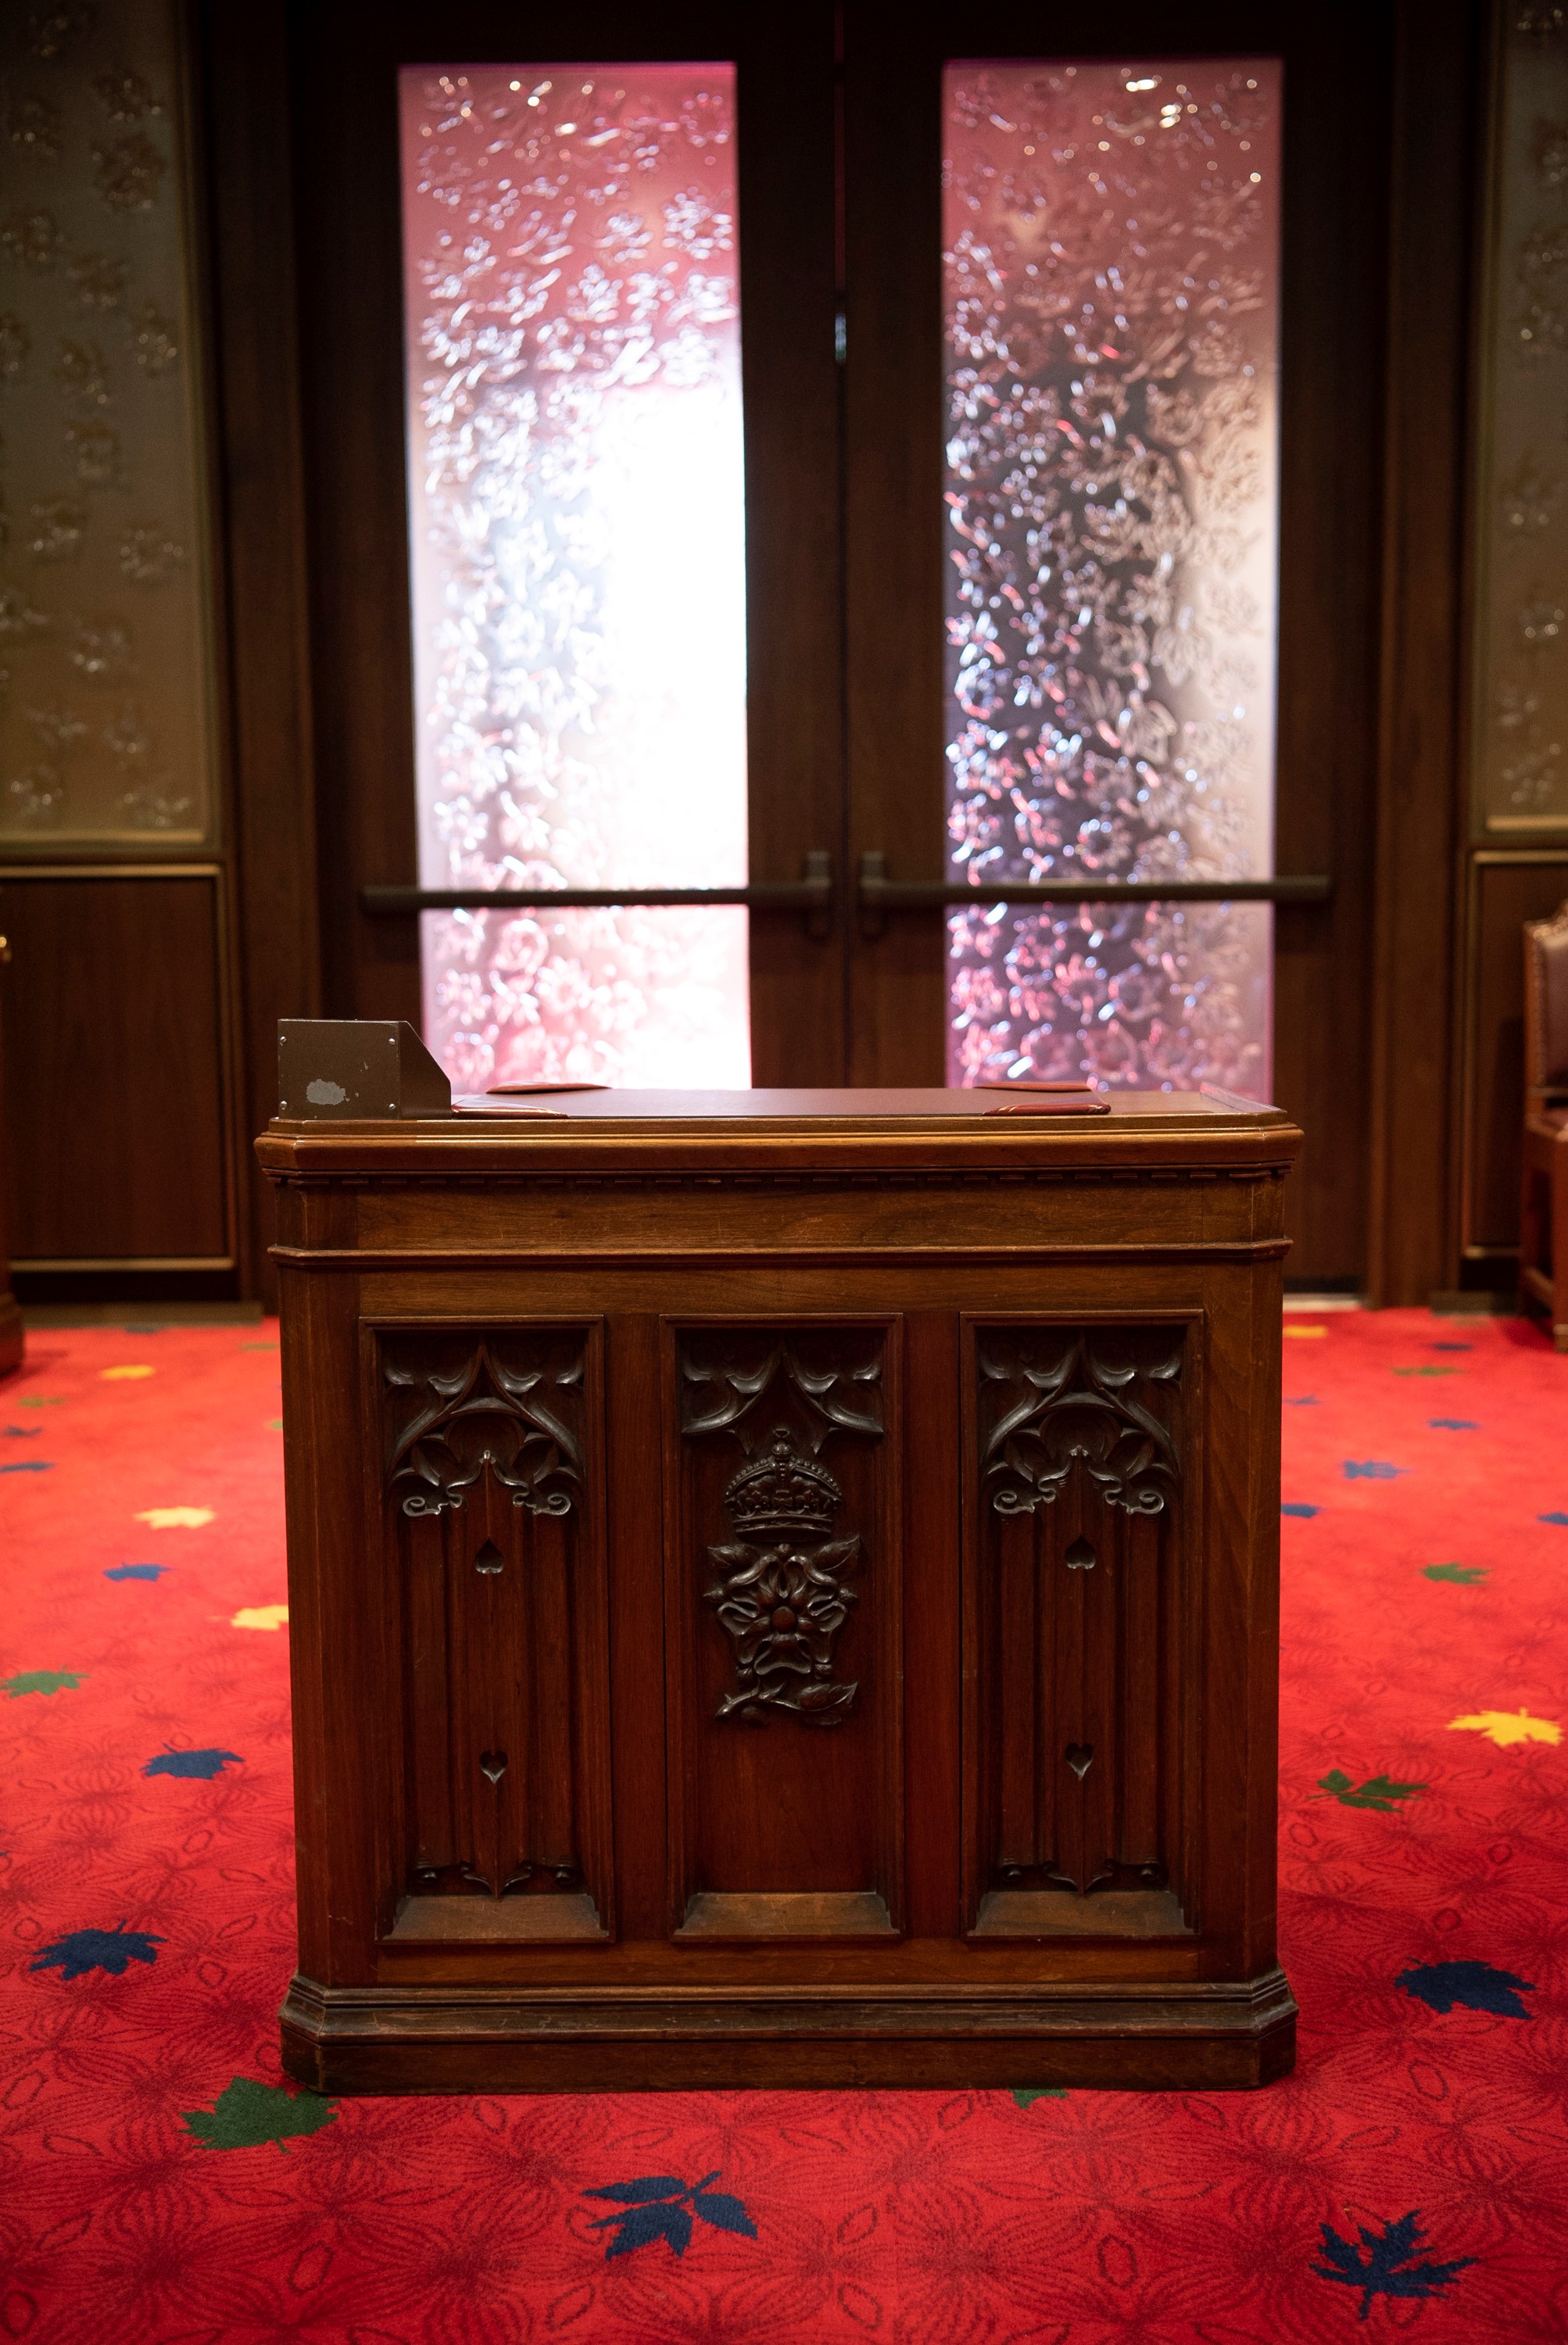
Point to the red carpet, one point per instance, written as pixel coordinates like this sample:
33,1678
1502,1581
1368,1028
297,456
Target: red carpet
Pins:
157,2187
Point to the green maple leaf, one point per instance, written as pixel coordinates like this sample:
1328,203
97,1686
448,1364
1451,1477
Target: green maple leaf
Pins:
41,1682
40,1400
1426,1372
1027,2094
1378,1791
247,2113
1463,1575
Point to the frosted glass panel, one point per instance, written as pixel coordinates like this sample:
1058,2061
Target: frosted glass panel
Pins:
104,692
1521,502
577,562
1112,275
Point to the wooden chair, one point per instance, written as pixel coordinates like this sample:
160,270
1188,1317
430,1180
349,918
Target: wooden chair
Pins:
1543,1204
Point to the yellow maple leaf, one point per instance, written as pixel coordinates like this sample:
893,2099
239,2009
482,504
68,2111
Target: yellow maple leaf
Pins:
125,1374
1303,1331
1505,1726
175,1519
260,1616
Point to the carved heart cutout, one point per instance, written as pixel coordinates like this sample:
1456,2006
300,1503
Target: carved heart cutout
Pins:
489,1558
494,1764
1080,1555
1080,1757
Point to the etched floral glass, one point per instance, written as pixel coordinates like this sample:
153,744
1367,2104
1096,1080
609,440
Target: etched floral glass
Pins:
1111,274
577,562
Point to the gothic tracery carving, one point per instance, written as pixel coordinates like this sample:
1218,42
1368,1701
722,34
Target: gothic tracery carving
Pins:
1070,1403
486,1414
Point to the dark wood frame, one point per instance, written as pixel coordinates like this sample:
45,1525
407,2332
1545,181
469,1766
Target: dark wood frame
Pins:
241,104
1544,1168
1413,1084
1484,1245
1441,105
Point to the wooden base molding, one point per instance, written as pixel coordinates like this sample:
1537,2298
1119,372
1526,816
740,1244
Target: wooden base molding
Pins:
508,2040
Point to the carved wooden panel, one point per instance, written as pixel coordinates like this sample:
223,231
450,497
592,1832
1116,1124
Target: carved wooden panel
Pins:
783,1629
492,1476
1077,1466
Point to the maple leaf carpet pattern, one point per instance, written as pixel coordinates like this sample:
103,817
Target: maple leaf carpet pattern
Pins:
161,2185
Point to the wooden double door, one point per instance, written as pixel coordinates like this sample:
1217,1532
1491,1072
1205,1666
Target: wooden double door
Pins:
839,133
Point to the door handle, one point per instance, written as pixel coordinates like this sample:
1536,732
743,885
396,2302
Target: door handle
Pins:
876,895
813,895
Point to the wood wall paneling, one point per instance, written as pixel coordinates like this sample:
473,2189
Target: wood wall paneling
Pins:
116,1069
1333,322
242,111
1507,888
1438,73
349,266
11,1340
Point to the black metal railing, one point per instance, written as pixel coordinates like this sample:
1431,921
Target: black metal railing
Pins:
815,892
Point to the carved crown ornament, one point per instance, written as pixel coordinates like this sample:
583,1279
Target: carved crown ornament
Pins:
783,1585
485,1416
1080,1408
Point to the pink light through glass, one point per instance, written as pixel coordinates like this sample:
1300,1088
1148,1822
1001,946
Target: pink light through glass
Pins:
577,562
1111,285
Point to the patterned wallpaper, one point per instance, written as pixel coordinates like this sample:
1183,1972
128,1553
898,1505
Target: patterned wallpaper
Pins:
1521,608
105,690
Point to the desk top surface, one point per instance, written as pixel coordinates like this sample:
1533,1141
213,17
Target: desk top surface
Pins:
532,1115
717,1128
860,1109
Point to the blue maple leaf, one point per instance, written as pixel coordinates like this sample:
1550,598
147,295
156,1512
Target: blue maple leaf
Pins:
657,2208
1370,1470
28,1466
136,1570
1451,1347
1306,1512
202,1763
1474,1986
1301,1400
1453,1424
1552,1518
1390,2266
23,1432
80,1951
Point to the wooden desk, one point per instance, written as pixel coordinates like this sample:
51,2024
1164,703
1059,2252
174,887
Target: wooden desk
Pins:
784,1591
